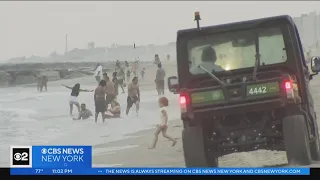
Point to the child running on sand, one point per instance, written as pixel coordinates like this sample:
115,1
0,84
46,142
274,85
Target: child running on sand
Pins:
163,126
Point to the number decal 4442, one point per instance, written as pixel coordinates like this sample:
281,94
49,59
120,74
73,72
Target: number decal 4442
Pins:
258,90
263,89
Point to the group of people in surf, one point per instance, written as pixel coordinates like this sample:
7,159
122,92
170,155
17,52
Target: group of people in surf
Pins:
106,93
108,89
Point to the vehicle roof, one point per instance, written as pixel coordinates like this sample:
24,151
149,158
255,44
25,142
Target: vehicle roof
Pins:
237,25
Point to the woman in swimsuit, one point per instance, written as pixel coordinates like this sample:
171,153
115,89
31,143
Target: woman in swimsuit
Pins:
75,90
115,110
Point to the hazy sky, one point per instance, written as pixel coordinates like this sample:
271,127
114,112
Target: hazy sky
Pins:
39,28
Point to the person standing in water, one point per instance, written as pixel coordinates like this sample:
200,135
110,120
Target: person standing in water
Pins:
100,100
157,59
142,73
128,75
133,95
120,74
163,126
160,80
110,91
168,57
75,90
134,68
127,71
98,72
115,81
117,63
43,83
105,75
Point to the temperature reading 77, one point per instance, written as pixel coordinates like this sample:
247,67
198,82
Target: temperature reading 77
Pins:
258,90
38,171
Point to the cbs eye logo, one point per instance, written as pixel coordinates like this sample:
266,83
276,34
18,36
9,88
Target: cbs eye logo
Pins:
20,156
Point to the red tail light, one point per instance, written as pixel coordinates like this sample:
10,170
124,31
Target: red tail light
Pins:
288,85
184,101
289,89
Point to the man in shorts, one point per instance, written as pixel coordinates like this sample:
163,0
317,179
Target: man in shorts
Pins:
110,91
133,95
100,100
120,77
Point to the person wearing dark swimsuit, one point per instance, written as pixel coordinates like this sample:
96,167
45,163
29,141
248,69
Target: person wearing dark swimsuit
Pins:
75,90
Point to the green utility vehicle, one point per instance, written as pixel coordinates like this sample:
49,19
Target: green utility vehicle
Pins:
244,86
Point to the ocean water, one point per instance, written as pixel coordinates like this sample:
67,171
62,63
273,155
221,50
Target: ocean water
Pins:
32,118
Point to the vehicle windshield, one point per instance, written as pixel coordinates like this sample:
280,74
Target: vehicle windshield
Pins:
236,50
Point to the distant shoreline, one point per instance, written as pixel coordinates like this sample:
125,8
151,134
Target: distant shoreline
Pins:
59,65
25,73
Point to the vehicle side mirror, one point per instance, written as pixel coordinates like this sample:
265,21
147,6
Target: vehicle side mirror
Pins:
315,64
173,84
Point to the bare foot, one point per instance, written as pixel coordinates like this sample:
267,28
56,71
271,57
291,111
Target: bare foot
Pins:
174,143
151,147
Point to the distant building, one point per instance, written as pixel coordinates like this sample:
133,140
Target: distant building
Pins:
309,29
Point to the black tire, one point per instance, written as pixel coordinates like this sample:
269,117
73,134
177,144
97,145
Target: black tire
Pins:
194,148
296,140
315,144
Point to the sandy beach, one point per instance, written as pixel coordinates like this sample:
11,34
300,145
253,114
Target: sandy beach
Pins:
134,152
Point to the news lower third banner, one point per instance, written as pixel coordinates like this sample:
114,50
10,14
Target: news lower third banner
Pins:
160,171
77,160
50,156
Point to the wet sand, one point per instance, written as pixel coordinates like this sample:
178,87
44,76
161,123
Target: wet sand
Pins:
134,152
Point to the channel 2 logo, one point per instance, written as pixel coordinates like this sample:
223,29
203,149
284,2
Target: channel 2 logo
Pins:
21,156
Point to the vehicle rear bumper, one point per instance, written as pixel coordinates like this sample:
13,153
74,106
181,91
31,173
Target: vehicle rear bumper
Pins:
237,108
